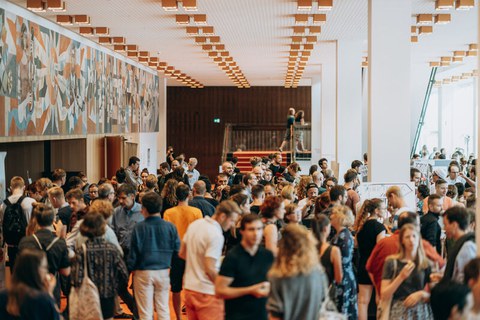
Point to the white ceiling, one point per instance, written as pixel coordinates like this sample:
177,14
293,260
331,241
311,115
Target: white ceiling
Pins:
256,33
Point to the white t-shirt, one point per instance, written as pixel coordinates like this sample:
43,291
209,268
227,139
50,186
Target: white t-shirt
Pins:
458,179
204,238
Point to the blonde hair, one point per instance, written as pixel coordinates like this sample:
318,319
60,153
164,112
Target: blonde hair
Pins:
394,190
421,260
103,207
297,253
56,192
344,215
287,192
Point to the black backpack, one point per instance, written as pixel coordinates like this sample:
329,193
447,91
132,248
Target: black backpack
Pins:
14,222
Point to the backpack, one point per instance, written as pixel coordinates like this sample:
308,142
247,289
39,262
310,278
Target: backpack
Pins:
14,222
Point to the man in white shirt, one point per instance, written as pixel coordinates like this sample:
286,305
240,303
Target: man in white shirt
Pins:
202,247
454,175
397,204
192,173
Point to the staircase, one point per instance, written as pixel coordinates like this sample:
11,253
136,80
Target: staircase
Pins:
244,158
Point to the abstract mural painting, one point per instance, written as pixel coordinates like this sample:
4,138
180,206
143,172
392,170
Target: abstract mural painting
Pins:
53,85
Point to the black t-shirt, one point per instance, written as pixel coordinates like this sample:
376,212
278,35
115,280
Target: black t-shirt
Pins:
416,280
64,214
255,209
246,270
367,238
57,256
38,306
276,169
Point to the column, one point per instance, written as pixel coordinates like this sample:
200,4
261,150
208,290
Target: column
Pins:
349,104
389,90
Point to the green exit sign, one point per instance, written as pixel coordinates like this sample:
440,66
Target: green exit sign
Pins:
216,120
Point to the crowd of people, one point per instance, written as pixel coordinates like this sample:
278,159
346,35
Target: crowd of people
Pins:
270,243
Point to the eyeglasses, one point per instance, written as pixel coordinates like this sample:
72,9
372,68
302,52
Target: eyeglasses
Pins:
330,185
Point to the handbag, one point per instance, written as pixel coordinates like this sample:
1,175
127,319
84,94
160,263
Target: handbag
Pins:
328,310
383,309
84,301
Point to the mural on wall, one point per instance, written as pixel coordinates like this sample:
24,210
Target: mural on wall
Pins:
53,85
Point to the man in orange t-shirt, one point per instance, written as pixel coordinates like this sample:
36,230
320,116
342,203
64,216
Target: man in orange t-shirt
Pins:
181,216
441,188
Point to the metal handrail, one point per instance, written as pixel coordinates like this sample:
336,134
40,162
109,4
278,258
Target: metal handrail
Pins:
421,121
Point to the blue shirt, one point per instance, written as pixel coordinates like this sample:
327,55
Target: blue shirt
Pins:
123,222
154,241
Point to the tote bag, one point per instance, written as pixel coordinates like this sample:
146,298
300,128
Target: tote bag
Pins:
84,301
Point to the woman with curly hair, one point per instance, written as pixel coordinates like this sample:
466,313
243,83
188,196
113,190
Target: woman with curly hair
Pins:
169,199
302,187
297,280
272,210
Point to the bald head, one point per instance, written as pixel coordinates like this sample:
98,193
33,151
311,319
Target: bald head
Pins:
199,188
227,168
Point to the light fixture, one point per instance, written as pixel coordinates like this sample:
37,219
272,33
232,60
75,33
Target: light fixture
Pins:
64,19
297,39
443,18
86,31
189,5
315,29
55,5
424,18
464,4
118,40
308,46
299,30
301,18
119,48
471,53
208,31
215,39
131,47
102,31
182,19
192,31
325,5
170,5
207,47
311,39
424,30
443,4
36,5
319,18
104,40
82,19
200,40
200,18
304,5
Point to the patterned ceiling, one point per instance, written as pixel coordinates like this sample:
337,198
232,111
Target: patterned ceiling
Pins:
256,33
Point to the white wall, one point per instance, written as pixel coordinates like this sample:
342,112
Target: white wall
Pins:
349,103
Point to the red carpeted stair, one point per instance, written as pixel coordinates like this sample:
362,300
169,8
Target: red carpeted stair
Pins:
244,158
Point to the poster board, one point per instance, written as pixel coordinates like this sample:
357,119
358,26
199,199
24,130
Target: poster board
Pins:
369,190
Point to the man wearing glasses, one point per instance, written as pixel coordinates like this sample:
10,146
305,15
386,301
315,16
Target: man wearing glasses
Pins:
454,175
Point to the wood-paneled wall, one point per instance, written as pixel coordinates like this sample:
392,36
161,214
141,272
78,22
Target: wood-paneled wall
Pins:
190,114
